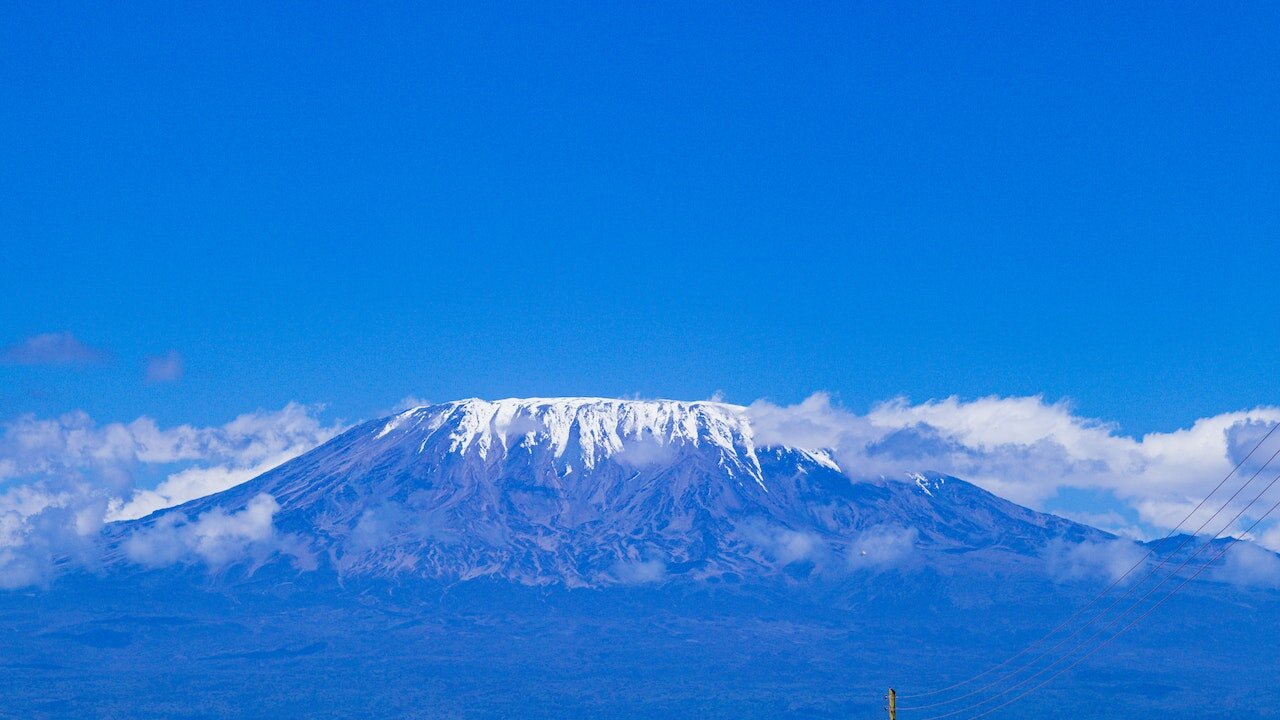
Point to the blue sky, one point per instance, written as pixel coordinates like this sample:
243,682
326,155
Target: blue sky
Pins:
319,203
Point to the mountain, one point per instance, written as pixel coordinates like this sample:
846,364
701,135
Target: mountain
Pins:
596,492
549,558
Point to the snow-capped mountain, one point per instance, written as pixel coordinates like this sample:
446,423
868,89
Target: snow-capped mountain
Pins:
447,547
590,491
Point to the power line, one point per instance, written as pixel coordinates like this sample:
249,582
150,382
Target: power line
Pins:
1108,589
1129,609
1108,608
1139,619
1006,676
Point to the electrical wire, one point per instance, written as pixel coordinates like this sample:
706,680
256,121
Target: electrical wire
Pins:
1156,568
1138,602
1139,619
1097,597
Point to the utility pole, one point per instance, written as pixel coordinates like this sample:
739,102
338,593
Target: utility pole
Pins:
892,697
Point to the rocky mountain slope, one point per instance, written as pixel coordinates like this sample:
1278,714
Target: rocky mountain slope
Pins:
595,492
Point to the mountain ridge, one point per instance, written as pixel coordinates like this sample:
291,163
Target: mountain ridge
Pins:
597,492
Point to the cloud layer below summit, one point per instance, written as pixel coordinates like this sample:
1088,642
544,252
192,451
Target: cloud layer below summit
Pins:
62,478
1044,455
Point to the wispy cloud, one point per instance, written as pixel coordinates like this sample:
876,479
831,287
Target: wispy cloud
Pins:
51,349
408,402
1248,565
166,368
781,546
640,572
1108,561
1111,521
876,548
883,547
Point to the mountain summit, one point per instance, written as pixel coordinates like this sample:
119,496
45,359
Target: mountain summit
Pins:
593,492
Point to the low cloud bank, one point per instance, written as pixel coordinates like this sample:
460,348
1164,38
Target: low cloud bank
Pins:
1030,451
62,478
218,538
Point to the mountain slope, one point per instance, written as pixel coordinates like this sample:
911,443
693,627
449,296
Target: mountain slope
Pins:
588,491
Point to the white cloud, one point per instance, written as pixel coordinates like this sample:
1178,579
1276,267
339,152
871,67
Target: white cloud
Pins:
73,445
1107,561
166,368
183,486
408,402
640,572
216,538
37,527
782,545
261,447
1028,450
51,349
226,456
65,476
884,546
814,423
1270,538
375,528
645,451
1248,565
1113,522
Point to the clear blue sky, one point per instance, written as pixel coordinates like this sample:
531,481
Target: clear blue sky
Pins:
349,205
